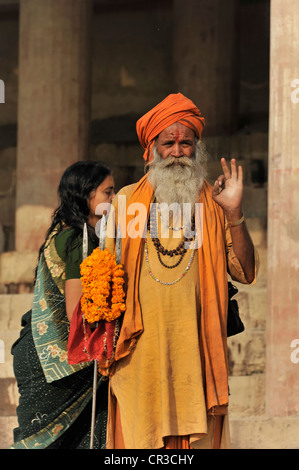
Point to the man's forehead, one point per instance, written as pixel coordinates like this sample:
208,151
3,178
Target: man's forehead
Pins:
177,131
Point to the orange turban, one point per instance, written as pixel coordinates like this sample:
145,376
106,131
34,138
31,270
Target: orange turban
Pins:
174,108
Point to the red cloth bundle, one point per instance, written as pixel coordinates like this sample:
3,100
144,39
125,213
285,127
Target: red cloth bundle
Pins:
86,344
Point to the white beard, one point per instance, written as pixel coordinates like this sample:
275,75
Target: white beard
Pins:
178,180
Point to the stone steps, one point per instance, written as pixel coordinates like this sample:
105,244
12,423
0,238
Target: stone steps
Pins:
8,419
12,308
264,432
7,424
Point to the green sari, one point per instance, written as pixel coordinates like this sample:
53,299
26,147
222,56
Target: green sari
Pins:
55,397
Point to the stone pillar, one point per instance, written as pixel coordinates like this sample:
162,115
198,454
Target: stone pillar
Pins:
282,367
54,107
205,59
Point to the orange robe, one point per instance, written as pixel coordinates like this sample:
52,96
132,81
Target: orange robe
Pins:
170,378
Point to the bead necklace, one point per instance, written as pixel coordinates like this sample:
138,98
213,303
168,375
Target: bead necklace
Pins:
179,251
180,277
175,229
173,265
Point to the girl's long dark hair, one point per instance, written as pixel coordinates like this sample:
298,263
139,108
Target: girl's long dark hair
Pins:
75,187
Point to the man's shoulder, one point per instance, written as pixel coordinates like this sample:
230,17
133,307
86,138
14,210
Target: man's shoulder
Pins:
206,189
207,185
127,190
124,192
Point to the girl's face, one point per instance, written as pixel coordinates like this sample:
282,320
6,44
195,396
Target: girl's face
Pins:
104,193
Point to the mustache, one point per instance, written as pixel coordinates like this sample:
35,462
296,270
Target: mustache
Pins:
174,161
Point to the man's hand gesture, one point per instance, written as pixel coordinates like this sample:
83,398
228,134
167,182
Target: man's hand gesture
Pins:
228,189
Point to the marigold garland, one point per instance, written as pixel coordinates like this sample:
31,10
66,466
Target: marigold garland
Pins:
103,287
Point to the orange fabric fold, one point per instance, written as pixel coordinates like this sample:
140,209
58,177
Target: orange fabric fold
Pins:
174,108
214,294
132,325
176,442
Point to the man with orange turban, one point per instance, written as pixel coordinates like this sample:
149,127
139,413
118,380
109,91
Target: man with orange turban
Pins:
169,381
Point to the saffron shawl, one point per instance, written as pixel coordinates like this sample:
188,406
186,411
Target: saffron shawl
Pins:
213,286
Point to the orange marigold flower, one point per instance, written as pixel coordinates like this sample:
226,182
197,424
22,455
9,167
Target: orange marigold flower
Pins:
102,285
